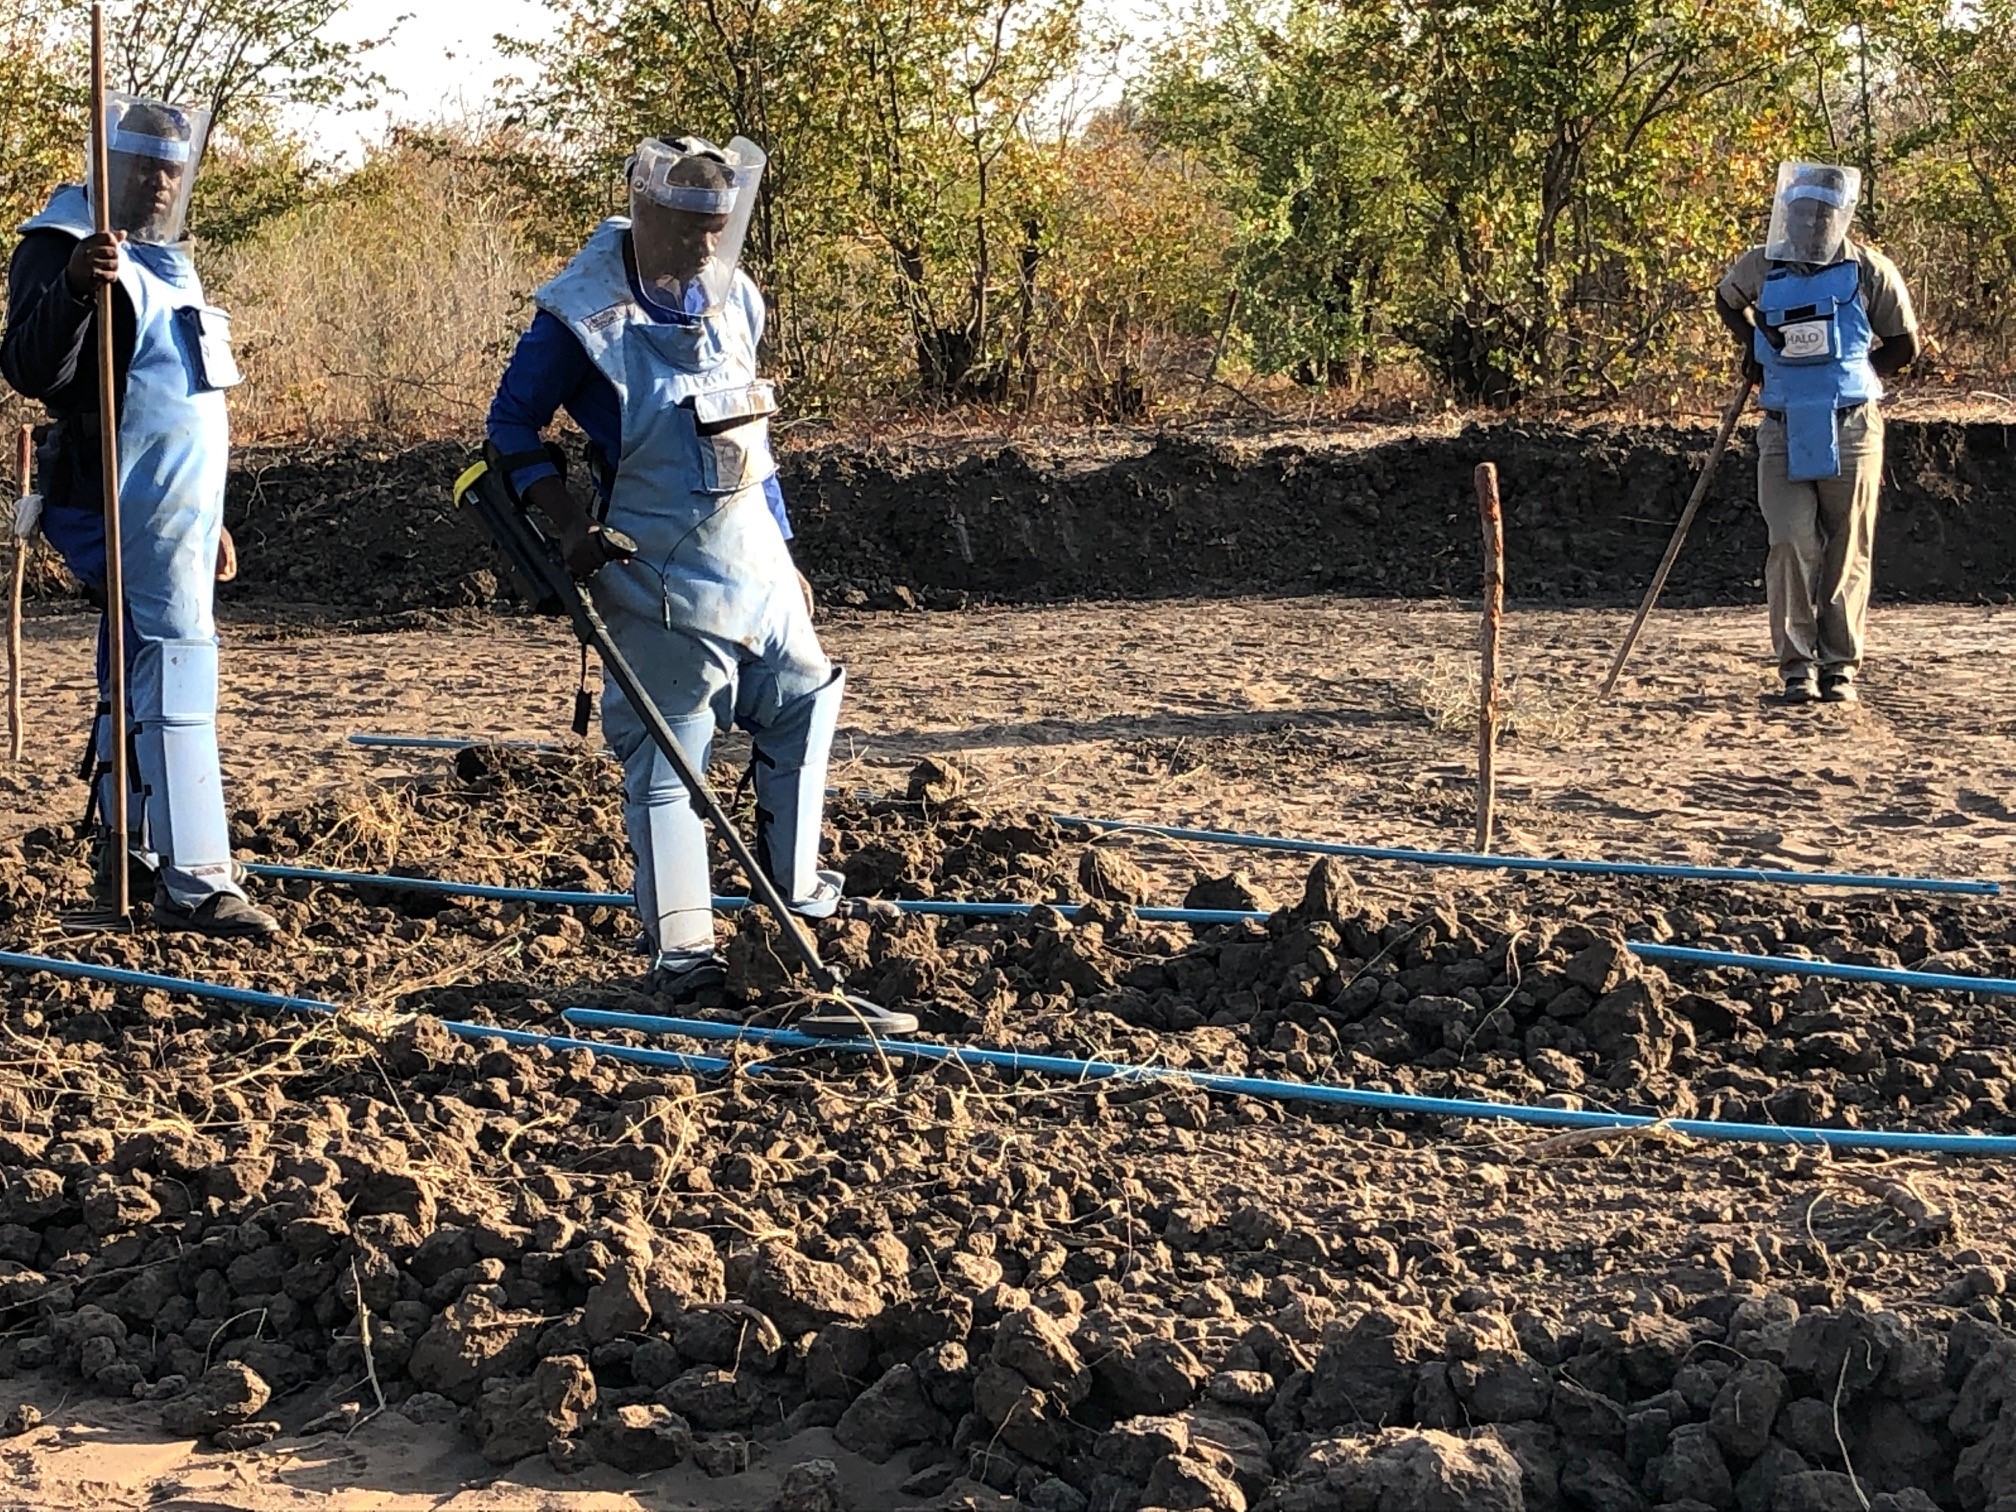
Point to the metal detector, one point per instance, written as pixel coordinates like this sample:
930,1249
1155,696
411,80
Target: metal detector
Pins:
537,562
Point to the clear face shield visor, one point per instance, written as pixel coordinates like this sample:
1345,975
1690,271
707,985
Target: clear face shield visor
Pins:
152,151
690,204
1812,212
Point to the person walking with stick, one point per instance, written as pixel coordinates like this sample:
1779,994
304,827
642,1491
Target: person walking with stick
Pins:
139,417
1821,320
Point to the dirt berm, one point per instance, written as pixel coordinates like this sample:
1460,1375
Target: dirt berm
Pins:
1588,512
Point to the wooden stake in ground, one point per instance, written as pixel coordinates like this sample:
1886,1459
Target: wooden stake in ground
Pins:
108,473
1494,618
1730,416
24,463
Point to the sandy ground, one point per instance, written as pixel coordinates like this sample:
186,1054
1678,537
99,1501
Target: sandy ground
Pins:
1346,720
1342,720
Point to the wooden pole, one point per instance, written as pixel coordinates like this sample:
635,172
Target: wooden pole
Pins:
1493,521
24,471
108,471
1730,416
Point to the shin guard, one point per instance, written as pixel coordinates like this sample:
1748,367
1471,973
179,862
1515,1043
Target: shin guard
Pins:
175,740
674,885
791,756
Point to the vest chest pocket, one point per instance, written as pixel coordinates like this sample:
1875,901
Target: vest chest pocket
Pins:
732,432
206,336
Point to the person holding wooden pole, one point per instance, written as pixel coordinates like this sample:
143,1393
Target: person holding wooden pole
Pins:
108,326
1821,320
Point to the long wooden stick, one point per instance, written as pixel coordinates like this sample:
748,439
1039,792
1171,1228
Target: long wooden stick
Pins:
1493,520
24,471
1730,416
108,471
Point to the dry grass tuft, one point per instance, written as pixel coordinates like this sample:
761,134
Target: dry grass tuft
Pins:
1446,693
387,309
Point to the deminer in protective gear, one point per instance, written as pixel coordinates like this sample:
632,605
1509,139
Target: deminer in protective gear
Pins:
1822,320
172,355
648,340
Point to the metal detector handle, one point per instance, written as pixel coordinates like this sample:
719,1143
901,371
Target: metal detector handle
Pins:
536,560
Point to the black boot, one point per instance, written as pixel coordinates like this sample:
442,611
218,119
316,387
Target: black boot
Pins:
222,916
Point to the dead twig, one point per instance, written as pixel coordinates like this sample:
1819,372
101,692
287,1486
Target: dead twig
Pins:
1584,1139
766,1331
1922,1215
364,1343
1840,1440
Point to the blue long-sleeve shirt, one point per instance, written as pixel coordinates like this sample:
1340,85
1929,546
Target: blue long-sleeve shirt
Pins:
549,371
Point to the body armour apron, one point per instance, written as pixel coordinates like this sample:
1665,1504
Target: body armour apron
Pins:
1813,340
711,600
696,452
174,443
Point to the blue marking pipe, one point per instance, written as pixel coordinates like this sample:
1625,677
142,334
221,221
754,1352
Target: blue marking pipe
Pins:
943,908
444,889
1921,981
1461,859
1042,1065
449,743
1544,864
1840,971
700,1065
1063,1067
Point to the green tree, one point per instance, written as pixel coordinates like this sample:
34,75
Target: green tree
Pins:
1516,184
902,157
43,79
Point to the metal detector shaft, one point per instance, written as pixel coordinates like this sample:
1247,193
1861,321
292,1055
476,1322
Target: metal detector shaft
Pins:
537,562
1729,418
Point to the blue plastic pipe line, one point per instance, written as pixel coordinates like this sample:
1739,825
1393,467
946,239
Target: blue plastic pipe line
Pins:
1542,863
699,1065
1922,981
445,889
1068,1069
1043,1065
1840,971
449,743
943,908
1464,859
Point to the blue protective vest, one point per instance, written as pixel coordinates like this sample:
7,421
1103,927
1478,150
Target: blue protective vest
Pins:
1818,364
174,433
696,453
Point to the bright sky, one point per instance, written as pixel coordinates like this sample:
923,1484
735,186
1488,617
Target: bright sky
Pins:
443,58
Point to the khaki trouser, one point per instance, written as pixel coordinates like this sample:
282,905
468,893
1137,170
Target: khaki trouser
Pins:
1823,538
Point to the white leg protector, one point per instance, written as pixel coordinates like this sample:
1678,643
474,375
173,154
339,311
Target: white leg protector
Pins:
791,756
674,887
174,698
